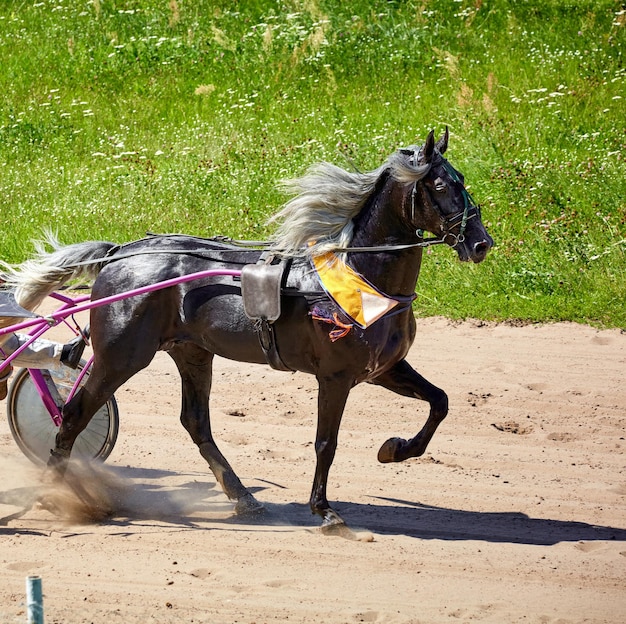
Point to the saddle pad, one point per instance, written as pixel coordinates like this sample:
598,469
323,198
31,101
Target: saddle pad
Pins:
361,301
260,289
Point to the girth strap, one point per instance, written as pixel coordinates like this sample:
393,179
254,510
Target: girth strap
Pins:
267,340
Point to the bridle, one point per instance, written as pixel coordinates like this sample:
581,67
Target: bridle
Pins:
449,222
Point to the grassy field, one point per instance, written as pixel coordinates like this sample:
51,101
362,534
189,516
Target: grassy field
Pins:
119,117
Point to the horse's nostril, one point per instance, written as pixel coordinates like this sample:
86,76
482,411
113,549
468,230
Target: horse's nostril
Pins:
481,249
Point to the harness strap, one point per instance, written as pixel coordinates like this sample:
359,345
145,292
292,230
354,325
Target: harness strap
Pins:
267,340
200,252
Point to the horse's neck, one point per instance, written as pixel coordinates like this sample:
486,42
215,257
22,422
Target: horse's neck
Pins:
379,224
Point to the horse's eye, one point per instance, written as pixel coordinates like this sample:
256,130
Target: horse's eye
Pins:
440,186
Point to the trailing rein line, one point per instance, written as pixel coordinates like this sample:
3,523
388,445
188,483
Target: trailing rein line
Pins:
470,210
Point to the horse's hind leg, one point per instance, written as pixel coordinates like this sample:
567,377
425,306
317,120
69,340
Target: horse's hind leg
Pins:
402,379
104,379
195,367
125,338
76,416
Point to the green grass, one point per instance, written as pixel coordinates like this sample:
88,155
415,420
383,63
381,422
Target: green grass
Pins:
119,117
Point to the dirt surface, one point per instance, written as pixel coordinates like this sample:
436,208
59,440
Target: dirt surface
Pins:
517,513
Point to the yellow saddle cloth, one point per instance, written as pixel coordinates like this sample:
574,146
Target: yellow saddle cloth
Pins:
361,301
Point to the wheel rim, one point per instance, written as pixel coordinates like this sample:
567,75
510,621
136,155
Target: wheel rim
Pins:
34,430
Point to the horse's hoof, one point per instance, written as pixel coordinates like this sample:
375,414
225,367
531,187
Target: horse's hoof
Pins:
47,503
57,463
333,525
53,475
247,505
332,519
389,450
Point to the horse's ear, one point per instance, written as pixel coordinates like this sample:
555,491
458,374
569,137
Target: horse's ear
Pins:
442,143
429,147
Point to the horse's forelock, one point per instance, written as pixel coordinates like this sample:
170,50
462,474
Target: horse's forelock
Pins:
405,166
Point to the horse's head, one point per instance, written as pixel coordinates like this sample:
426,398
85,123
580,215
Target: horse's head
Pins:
447,209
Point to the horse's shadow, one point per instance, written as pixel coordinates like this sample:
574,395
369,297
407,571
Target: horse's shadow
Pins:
423,521
387,516
200,505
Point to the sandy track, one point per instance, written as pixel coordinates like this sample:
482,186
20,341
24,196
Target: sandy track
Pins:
517,513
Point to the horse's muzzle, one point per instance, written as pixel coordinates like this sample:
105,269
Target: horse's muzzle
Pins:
475,251
480,250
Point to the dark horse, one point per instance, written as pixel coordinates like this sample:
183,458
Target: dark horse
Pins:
376,221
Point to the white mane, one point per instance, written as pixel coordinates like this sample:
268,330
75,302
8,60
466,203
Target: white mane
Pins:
327,198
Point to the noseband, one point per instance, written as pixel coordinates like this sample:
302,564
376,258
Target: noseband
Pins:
448,223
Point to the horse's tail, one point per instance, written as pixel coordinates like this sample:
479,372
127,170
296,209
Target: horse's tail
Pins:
35,279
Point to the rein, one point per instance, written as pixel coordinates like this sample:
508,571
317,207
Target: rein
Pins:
112,256
470,211
255,246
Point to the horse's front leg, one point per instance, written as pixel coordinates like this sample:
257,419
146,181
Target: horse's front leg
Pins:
331,401
402,379
195,367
